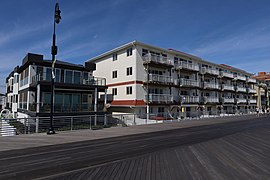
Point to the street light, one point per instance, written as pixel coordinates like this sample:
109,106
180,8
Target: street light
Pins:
57,18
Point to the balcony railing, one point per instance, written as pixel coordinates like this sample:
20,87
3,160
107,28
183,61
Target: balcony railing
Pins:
209,99
251,80
189,99
208,85
185,65
226,74
250,90
189,82
228,100
228,87
252,101
239,77
161,79
157,59
205,70
241,89
160,98
240,100
80,80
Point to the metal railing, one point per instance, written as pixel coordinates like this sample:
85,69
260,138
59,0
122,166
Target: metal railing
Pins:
208,85
241,89
209,99
160,98
157,59
228,100
240,100
189,99
252,101
95,122
250,90
239,77
72,79
189,82
251,80
226,74
161,79
185,65
228,87
205,70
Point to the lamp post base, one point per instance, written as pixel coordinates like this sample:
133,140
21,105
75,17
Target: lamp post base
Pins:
50,131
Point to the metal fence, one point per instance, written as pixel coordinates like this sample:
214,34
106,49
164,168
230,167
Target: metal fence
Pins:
95,122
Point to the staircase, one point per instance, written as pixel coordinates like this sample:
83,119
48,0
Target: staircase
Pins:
6,129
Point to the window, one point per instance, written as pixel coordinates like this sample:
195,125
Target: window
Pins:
129,90
77,77
68,76
114,74
144,52
114,91
129,71
115,57
129,51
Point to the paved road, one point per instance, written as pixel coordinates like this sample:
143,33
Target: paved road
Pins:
232,150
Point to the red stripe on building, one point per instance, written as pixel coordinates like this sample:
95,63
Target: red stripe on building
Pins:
125,83
128,103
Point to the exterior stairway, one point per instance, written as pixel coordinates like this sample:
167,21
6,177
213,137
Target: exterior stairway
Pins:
6,129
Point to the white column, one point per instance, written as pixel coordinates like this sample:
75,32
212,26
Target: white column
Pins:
96,98
28,100
38,98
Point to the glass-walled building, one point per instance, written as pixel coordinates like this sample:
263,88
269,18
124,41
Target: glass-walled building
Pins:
76,90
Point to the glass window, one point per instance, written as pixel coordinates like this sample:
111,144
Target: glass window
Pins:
57,75
114,91
129,71
67,99
129,51
114,56
129,90
68,76
114,74
47,98
77,77
48,74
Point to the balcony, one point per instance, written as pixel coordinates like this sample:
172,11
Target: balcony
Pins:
73,79
188,66
189,83
241,101
210,99
156,59
252,101
239,77
207,85
228,87
241,89
159,79
160,98
251,80
252,91
189,99
227,100
205,70
226,74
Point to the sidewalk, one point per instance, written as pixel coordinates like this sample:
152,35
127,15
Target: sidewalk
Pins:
42,139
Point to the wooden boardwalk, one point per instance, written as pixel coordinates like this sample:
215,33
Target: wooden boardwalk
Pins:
232,150
244,155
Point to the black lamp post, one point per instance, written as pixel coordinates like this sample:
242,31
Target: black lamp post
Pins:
57,18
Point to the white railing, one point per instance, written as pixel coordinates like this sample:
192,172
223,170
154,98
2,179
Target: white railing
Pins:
157,59
252,101
185,65
189,82
205,70
241,89
160,98
210,99
189,99
228,100
160,78
241,101
226,74
210,85
228,87
250,90
239,77
251,80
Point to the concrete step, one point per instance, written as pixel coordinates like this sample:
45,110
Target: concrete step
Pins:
6,129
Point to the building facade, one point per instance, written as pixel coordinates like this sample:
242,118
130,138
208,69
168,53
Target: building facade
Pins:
146,79
263,90
76,90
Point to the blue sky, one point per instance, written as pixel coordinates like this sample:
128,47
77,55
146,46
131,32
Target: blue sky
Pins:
234,32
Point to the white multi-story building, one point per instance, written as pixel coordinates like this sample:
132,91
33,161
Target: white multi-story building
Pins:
143,78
